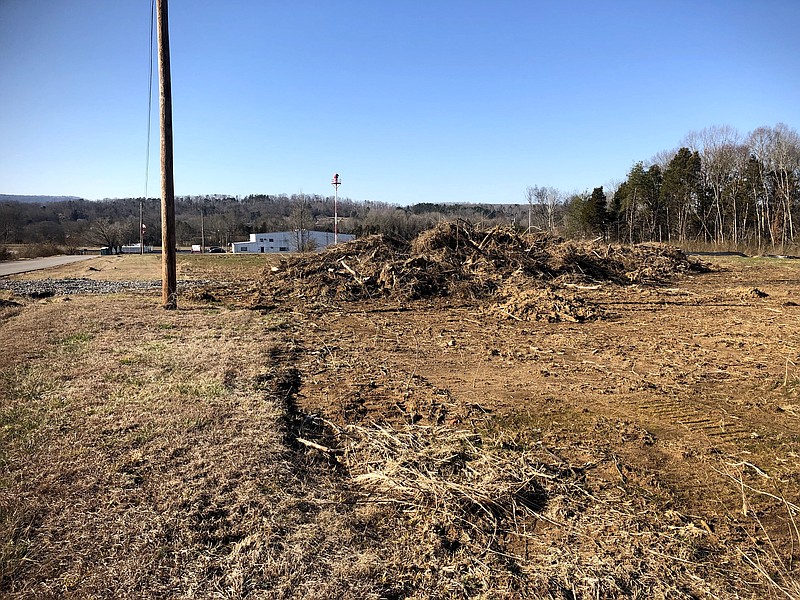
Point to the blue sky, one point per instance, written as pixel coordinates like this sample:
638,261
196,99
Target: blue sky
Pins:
410,101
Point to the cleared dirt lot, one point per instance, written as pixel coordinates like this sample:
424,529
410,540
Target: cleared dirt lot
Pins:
265,443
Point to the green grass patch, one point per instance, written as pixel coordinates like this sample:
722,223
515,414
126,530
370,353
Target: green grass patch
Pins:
206,390
74,340
277,323
24,385
18,424
28,405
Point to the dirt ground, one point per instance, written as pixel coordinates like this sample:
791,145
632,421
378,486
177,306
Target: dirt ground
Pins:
643,443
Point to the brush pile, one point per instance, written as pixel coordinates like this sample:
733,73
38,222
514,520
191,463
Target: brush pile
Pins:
444,471
460,260
468,516
548,304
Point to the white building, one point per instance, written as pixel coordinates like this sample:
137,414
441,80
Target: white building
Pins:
136,249
286,241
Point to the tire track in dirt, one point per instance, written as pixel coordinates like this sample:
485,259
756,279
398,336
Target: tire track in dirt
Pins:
711,356
693,420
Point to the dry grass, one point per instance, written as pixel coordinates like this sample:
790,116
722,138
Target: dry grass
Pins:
136,267
477,516
146,457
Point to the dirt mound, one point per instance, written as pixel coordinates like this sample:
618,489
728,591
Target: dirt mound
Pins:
462,260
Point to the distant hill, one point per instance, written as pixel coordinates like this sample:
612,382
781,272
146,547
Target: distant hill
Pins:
36,199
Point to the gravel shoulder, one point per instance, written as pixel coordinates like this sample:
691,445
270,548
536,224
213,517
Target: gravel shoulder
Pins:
45,288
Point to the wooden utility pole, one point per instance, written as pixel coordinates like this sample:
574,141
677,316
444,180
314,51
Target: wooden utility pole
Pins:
169,275
141,227
202,231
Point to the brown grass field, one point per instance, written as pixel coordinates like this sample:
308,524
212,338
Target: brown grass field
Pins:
274,442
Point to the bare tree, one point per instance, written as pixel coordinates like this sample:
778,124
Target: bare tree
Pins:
778,150
663,158
759,142
550,198
106,233
719,147
300,221
542,202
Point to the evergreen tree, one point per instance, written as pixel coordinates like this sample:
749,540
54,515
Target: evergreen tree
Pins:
588,214
598,206
680,191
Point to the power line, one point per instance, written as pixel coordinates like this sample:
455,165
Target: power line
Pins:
149,98
149,117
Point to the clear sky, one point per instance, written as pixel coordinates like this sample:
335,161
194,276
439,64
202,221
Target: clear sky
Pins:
409,100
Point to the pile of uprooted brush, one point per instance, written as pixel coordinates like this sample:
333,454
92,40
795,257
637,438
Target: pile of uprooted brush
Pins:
463,260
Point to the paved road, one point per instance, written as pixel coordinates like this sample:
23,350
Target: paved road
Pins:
34,264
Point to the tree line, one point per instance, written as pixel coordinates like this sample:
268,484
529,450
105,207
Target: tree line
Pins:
219,219
719,188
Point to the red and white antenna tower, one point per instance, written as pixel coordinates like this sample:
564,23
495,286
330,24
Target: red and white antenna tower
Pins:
336,182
